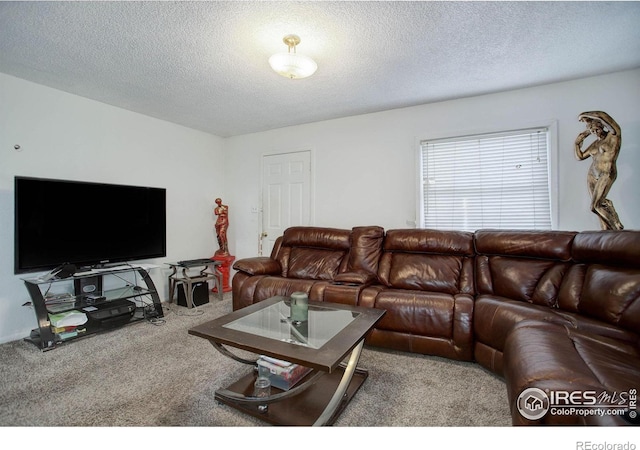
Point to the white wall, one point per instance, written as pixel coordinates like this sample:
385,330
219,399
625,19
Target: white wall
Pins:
69,137
365,166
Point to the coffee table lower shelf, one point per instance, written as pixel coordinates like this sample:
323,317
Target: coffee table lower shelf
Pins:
302,409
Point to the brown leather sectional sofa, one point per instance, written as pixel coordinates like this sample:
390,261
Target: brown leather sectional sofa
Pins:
553,310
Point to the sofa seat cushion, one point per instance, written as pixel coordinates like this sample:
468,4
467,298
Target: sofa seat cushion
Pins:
588,325
552,357
494,317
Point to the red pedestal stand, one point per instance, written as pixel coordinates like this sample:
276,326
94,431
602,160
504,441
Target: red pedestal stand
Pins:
225,269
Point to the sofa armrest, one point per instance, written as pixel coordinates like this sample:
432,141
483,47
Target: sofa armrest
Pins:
260,265
355,278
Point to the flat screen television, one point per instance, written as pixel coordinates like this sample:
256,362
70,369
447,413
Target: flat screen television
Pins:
86,224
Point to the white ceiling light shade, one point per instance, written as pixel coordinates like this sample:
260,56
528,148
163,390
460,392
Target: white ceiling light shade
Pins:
291,64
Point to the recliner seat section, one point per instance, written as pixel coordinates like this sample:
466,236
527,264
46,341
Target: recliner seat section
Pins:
518,276
595,345
306,259
547,309
427,290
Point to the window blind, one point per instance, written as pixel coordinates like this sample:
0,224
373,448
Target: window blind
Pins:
487,181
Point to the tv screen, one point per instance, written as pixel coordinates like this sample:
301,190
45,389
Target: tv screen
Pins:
86,224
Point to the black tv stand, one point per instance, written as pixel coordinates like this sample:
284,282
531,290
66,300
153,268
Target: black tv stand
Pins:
90,295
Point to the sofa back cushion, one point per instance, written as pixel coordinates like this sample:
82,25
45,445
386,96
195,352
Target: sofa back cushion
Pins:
528,266
604,282
313,253
428,260
366,248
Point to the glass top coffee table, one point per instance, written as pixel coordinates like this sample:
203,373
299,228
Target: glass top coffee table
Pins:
333,333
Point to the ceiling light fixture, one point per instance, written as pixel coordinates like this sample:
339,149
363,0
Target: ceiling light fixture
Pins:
291,64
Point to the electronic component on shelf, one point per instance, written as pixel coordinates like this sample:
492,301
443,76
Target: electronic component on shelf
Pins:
195,262
64,297
108,310
93,298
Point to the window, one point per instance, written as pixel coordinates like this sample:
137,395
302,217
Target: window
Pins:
486,181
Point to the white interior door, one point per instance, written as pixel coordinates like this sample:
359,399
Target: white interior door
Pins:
286,195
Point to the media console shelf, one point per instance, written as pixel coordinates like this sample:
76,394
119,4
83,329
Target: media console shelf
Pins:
90,309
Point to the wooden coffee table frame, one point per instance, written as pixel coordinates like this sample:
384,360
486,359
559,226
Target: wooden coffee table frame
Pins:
323,394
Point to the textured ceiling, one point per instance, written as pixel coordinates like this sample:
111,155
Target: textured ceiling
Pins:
204,64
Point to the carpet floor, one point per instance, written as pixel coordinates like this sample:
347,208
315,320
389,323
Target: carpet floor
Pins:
157,375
